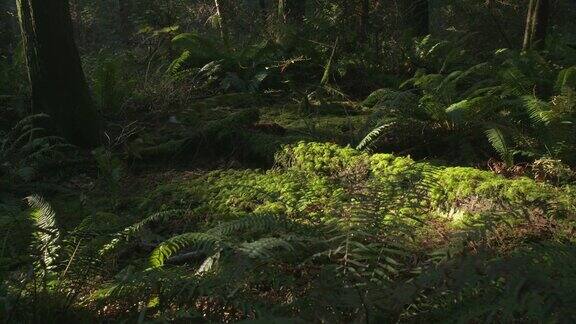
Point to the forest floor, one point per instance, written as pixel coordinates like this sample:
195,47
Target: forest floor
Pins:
238,156
225,132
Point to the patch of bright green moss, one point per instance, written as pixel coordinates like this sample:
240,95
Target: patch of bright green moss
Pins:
320,180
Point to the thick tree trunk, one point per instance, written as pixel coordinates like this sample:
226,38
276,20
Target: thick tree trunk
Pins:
537,19
58,84
420,17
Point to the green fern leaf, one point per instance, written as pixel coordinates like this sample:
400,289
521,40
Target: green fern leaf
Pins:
47,234
498,142
198,241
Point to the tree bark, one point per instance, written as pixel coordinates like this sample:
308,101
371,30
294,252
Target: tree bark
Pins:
528,26
537,20
541,19
58,84
222,24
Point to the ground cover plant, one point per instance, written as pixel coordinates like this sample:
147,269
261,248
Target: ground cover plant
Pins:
287,161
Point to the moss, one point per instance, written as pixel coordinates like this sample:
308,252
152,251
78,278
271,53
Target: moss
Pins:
455,184
329,123
387,166
320,158
324,180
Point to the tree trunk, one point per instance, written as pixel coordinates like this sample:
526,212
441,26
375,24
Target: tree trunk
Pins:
541,20
420,17
58,84
537,20
222,23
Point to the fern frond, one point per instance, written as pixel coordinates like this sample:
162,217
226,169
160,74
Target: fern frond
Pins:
253,224
566,79
498,142
538,110
371,138
46,232
134,229
178,64
198,241
265,248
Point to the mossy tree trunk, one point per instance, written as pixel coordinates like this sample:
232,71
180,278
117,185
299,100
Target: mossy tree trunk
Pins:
537,19
58,84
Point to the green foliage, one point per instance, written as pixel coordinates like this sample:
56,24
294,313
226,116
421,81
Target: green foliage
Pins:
531,284
46,284
489,103
207,62
110,87
329,233
348,222
46,232
24,149
498,142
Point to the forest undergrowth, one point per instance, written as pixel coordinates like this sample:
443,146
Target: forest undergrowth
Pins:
333,170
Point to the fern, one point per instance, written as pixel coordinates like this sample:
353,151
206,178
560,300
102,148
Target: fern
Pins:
24,149
566,79
533,284
538,110
201,242
134,229
370,139
250,225
498,142
46,232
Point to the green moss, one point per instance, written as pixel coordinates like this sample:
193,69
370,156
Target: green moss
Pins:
324,180
320,158
455,184
387,166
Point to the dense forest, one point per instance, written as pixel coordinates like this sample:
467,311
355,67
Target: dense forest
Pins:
287,161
